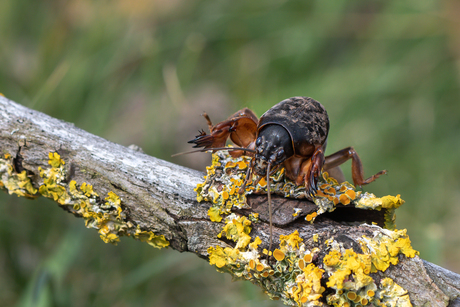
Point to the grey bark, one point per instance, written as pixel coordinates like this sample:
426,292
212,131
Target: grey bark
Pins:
159,195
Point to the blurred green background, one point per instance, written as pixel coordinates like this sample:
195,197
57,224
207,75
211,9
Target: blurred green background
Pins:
141,72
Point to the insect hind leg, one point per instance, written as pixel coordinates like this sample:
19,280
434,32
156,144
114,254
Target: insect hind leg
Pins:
357,170
208,120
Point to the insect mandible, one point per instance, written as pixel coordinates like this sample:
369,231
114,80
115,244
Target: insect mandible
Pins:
292,134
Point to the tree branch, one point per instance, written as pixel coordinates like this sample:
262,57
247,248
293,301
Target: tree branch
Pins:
158,197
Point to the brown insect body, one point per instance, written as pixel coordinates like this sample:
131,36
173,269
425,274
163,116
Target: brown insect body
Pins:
292,134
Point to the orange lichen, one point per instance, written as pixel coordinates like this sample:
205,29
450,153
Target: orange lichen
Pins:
262,182
344,199
351,295
311,217
351,194
301,264
335,201
320,193
279,255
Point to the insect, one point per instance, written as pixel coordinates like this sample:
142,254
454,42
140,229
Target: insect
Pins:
292,134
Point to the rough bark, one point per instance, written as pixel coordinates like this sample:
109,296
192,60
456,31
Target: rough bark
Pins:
159,196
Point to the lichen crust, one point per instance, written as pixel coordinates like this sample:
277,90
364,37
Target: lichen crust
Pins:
350,272
322,273
226,175
104,214
14,182
293,278
302,276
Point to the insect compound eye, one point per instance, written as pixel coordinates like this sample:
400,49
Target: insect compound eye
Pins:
258,141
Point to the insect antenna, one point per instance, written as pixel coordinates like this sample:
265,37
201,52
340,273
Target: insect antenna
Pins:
210,149
269,209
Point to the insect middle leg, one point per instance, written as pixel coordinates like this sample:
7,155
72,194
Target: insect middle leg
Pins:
357,170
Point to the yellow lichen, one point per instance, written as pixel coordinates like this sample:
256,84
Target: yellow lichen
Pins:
343,265
87,189
392,294
237,229
157,241
296,211
219,256
293,240
349,271
244,261
370,201
384,248
214,214
108,217
55,160
107,236
15,183
255,244
53,179
254,217
308,286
